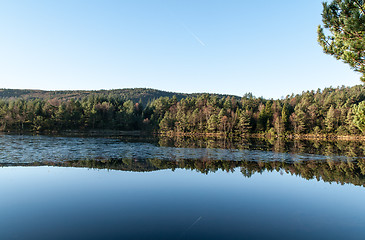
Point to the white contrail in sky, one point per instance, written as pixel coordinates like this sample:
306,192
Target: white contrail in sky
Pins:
194,35
186,28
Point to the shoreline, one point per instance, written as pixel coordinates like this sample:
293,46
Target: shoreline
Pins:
219,135
323,137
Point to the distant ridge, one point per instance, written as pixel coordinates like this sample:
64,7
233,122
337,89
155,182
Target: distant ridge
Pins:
136,94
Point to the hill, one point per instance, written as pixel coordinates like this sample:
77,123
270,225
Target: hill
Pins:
135,94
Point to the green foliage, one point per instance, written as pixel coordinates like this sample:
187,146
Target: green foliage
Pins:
345,20
359,116
140,95
244,123
329,111
167,122
330,120
213,123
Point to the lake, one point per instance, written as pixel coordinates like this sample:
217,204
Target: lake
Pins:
97,187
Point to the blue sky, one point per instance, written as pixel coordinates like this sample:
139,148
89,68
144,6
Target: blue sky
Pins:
265,47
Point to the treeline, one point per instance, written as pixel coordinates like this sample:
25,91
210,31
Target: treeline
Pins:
94,112
338,111
331,111
142,95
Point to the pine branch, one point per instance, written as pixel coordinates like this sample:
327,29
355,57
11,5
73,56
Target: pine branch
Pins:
359,5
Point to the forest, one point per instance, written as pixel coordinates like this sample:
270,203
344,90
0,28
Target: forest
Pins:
331,111
142,95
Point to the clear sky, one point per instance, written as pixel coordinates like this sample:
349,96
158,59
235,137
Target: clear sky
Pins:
265,47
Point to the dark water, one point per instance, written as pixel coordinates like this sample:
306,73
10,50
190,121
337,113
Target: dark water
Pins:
100,188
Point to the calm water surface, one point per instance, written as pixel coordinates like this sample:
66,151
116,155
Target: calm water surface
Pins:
99,188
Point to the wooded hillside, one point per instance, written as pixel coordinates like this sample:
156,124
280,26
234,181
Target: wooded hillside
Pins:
336,111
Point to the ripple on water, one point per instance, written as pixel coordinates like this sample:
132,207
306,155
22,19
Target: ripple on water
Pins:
28,149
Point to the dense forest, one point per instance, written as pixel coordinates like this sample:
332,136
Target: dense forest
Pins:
332,111
143,95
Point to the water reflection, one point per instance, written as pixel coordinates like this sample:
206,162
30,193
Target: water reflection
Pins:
28,148
339,162
114,188
328,171
320,147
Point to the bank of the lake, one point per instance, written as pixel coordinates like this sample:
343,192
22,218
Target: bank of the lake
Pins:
324,137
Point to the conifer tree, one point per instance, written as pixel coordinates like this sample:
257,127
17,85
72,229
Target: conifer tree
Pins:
345,20
244,125
213,123
330,119
359,117
350,124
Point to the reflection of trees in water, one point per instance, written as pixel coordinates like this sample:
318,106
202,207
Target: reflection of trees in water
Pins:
346,148
328,171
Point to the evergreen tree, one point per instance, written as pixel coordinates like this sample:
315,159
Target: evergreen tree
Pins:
244,125
181,121
350,123
213,123
167,123
359,116
345,19
330,120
